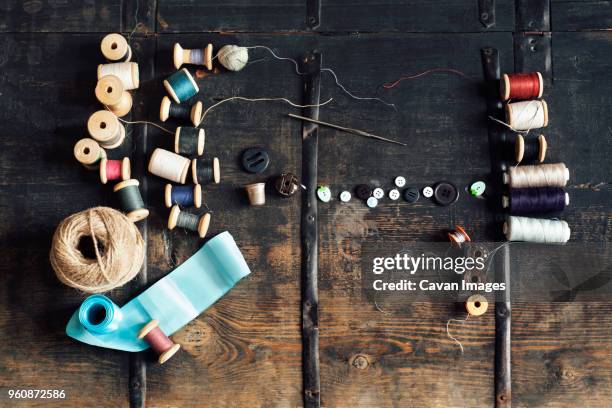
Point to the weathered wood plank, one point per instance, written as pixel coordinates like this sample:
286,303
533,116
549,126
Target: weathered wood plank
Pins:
581,15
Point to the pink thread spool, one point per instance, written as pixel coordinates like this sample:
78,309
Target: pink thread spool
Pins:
159,342
115,170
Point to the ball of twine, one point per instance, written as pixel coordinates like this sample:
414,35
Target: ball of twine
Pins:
233,57
117,243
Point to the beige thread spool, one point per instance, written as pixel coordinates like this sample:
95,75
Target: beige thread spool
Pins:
476,305
200,225
215,171
539,175
127,72
194,56
527,115
115,47
256,193
195,114
89,153
126,169
110,93
197,196
168,165
105,128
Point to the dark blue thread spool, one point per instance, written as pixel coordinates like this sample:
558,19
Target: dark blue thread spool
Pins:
185,196
536,200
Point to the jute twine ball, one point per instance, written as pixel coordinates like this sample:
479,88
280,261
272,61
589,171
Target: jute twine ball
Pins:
233,57
118,247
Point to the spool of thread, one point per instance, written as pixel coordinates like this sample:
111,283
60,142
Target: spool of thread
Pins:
521,86
188,221
541,175
105,128
536,230
115,47
476,305
130,200
181,86
195,56
119,261
175,111
527,115
205,171
159,342
115,170
168,165
458,236
530,150
233,57
110,92
100,315
127,72
189,140
89,153
186,196
256,193
536,200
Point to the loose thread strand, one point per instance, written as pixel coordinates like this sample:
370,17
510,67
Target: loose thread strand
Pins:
391,85
467,316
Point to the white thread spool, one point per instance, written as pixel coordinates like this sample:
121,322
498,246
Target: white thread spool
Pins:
194,56
526,115
105,128
110,93
127,72
540,175
233,57
536,230
169,165
89,153
115,47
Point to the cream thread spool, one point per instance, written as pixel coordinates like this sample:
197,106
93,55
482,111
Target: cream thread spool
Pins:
105,128
115,47
131,200
189,141
536,230
166,109
89,153
127,72
519,148
208,171
233,57
193,56
540,175
159,342
125,170
110,93
527,115
168,165
197,196
476,305
188,221
256,193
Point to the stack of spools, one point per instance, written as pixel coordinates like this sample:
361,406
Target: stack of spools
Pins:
536,189
115,79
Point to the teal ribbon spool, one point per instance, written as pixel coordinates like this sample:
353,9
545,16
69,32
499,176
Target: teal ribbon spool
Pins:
181,85
173,301
98,314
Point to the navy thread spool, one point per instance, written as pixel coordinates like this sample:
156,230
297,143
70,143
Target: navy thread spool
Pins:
205,171
181,86
196,56
169,110
188,221
186,196
189,141
535,200
130,200
530,150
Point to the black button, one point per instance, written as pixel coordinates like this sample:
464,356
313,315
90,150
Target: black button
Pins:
287,184
411,194
363,191
445,193
255,160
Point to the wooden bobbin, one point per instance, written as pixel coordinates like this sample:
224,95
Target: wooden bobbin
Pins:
126,169
106,129
128,69
110,92
216,168
506,203
115,47
504,86
89,153
152,329
202,224
184,56
195,114
197,196
476,305
519,148
136,214
200,145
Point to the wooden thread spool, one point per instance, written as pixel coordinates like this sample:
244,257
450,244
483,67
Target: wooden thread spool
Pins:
127,72
195,56
131,200
181,86
106,129
110,93
521,86
476,305
206,172
183,195
169,165
458,236
115,170
256,193
168,110
530,151
159,342
188,221
89,153
541,175
549,199
527,115
115,47
188,140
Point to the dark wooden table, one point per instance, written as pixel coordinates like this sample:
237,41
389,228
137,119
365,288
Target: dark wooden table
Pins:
246,350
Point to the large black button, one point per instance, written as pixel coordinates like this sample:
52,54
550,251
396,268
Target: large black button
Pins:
411,194
445,193
363,191
255,160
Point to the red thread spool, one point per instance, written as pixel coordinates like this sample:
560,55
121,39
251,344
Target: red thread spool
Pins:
158,341
115,170
458,236
521,86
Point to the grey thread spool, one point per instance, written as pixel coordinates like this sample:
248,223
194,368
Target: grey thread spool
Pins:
195,56
205,171
89,153
130,200
115,47
189,141
104,127
170,110
188,221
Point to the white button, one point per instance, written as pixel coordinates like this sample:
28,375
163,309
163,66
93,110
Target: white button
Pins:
428,192
394,194
324,193
372,202
378,193
345,196
400,181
